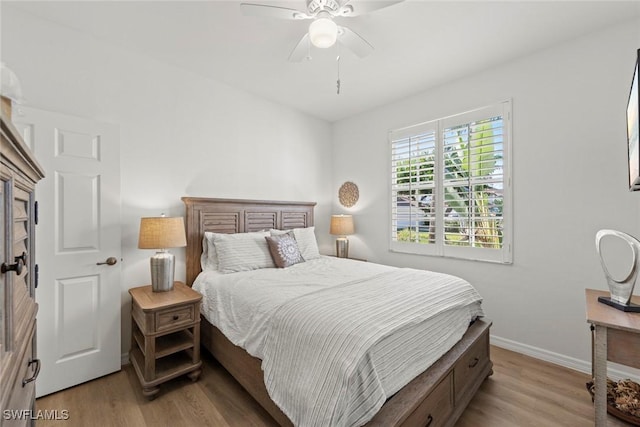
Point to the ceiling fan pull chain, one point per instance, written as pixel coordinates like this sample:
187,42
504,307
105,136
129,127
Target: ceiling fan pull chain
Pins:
338,65
338,81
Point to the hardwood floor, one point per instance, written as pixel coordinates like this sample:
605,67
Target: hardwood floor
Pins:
522,392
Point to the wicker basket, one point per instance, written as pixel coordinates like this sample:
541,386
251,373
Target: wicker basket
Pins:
611,405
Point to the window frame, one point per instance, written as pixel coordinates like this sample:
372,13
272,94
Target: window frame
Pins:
502,255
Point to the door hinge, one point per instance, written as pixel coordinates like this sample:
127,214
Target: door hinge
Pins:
35,212
36,276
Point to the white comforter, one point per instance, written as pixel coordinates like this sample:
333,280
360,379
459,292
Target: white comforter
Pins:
338,337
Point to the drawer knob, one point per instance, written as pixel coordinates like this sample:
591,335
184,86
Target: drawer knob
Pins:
176,317
429,421
22,257
17,267
474,362
35,374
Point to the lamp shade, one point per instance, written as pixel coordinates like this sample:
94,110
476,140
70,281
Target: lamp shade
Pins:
161,233
341,225
323,32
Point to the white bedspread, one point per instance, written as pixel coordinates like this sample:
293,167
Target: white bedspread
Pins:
338,337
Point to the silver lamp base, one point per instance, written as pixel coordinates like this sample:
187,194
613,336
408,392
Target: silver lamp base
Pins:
162,271
342,247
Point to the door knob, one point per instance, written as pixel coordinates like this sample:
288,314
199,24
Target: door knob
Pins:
109,261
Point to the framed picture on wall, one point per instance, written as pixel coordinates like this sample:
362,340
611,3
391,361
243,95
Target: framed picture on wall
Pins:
633,128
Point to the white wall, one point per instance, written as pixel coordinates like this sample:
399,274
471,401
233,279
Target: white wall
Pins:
569,180
180,134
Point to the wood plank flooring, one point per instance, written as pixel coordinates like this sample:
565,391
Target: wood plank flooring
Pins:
522,392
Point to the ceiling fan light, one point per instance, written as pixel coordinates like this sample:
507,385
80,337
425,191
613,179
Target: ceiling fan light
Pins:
323,32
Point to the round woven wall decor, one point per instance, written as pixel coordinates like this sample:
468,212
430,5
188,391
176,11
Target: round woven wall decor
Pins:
348,194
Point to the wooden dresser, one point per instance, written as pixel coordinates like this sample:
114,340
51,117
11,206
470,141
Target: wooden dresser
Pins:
19,172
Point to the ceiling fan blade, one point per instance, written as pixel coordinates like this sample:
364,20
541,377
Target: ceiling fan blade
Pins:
354,42
252,9
360,7
301,50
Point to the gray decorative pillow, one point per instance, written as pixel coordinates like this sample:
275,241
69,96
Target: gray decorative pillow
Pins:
284,250
306,239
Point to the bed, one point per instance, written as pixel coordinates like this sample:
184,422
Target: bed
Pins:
435,397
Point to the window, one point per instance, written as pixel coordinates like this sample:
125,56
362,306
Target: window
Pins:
451,186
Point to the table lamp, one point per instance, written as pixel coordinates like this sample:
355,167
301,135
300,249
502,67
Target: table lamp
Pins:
342,226
162,233
10,90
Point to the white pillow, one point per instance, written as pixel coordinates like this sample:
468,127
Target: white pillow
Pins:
242,251
209,257
306,239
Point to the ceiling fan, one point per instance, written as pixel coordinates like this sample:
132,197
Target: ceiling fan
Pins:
323,31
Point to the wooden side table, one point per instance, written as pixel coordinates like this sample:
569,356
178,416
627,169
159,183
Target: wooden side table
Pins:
616,338
165,335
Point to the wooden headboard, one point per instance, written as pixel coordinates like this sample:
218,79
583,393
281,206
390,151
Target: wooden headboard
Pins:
237,216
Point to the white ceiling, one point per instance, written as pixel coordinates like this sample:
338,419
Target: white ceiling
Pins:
418,44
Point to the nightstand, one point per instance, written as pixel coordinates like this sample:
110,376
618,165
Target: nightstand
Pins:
165,335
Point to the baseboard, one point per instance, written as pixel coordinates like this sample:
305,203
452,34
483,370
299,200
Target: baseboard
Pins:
614,371
124,359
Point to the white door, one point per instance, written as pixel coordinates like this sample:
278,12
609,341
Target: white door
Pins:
78,321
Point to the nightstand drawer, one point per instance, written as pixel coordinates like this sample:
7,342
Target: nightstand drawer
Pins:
171,318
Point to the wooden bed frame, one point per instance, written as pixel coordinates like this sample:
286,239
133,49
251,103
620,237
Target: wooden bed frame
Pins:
437,397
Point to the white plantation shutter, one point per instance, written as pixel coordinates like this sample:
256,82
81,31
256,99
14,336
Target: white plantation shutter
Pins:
450,186
413,159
